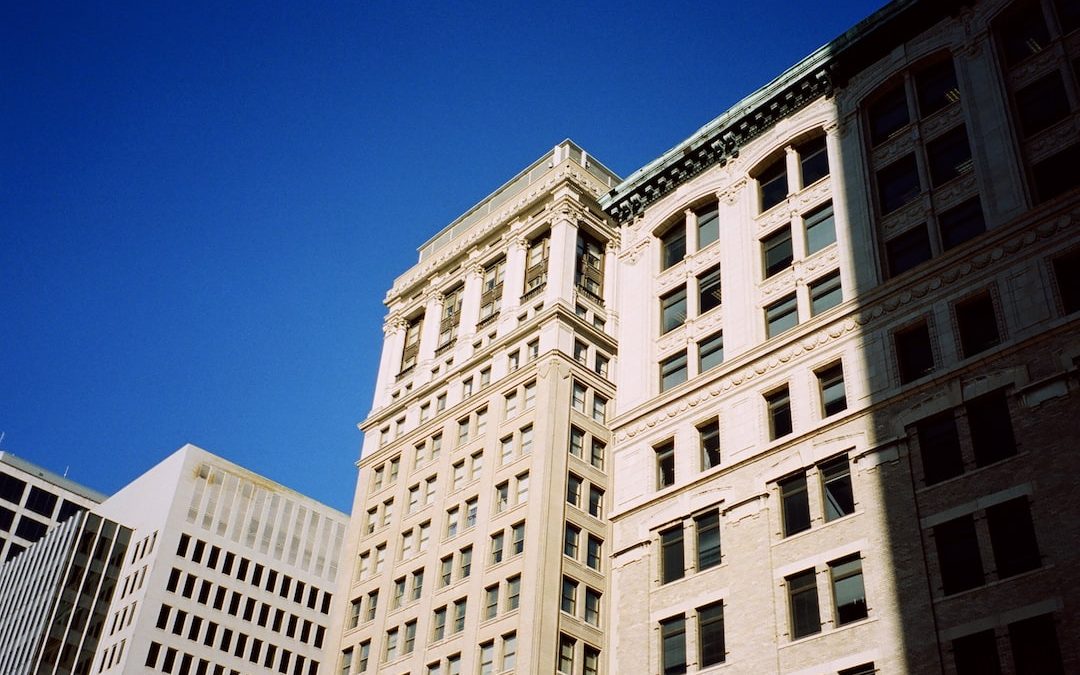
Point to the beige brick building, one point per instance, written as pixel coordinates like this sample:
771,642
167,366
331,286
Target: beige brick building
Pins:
798,396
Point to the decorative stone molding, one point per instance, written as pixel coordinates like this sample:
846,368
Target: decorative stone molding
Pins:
907,216
1052,140
633,254
869,316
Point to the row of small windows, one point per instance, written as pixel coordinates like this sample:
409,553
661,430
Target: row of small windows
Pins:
213,554
290,625
1033,643
182,663
41,502
577,657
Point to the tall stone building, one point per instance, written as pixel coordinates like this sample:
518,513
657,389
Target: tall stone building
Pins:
798,396
479,538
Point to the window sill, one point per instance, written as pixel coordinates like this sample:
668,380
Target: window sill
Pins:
973,472
817,525
991,584
826,631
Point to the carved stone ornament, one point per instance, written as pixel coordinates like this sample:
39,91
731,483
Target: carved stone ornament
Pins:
633,254
858,319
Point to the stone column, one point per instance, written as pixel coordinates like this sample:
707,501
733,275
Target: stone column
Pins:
470,301
513,284
850,247
690,223
739,267
794,170
390,363
429,335
562,254
611,284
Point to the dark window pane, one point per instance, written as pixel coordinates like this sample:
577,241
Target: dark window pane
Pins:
673,645
961,223
949,156
67,510
888,114
936,87
673,309
795,505
977,324
773,183
820,228
777,251
11,488
672,562
803,597
848,591
991,428
711,634
673,245
1022,32
839,500
1035,647
7,517
779,406
709,290
665,464
976,654
1057,174
710,352
907,250
897,184
861,669
1042,103
825,293
1067,273
814,160
708,223
673,371
708,540
1068,12
1012,535
710,445
939,447
958,555
833,394
781,316
914,357
30,529
41,502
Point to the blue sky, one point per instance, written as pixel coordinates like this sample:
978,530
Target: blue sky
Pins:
203,204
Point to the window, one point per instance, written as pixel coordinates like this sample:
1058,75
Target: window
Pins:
977,324
803,602
1035,646
665,464
711,634
399,593
593,552
446,566
577,401
465,562
497,544
509,652
708,224
487,658
709,295
567,646
452,515
673,245
831,387
592,606
861,669
991,428
41,502
596,456
491,601
849,596
820,228
673,309
939,448
517,538
570,540
958,555
568,603
596,502
710,352
772,183
459,614
778,403
914,356
1067,275
592,661
513,592
709,435
707,527
777,251
836,481
502,497
438,624
673,645
471,509
390,645
795,504
417,584
672,565
908,250
976,654
825,293
1012,536
599,408
573,490
949,156
781,316
673,371
961,223
589,272
372,604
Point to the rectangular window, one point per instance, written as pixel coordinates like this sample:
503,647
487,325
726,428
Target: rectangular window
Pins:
781,316
958,555
665,464
497,544
708,224
570,540
939,447
438,624
803,602
1035,646
577,401
459,614
567,646
673,645
446,567
849,596
836,482
898,184
596,502
1012,535
831,388
977,324
517,538
709,294
710,352
960,223
568,603
673,245
709,435
813,160
707,527
772,184
593,551
888,114
573,490
991,428
577,442
914,355
592,606
673,309
491,601
672,564
509,651
820,228
795,504
1067,275
711,634
465,562
907,250
948,156
596,456
825,293
777,251
976,654
673,371
599,408
513,593
778,403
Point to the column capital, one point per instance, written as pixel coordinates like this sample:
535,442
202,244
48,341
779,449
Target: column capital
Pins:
476,268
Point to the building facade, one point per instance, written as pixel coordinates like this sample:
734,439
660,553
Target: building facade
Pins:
858,457
33,500
479,535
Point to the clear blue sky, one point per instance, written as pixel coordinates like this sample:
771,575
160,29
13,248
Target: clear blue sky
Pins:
203,204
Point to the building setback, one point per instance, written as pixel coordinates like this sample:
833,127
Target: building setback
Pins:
798,396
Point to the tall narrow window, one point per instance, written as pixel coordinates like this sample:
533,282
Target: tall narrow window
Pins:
781,316
777,251
907,250
707,527
590,267
412,344
673,371
673,309
977,324
673,245
825,293
708,224
991,428
709,295
1067,275
813,160
778,403
1035,646
673,645
820,228
567,647
976,654
1012,535
772,184
849,595
709,435
958,555
568,603
710,352
795,504
803,603
711,634
831,388
672,565
665,464
836,481
939,447
914,355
